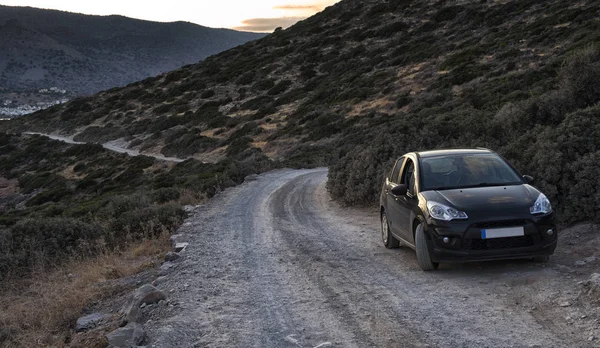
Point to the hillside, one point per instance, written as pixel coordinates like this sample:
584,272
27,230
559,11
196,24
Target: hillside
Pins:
84,54
83,194
364,81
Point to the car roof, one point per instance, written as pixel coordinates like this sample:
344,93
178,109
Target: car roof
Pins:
435,153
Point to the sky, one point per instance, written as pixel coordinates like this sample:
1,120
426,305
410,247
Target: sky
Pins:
249,15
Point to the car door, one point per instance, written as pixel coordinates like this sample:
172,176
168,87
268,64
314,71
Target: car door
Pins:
391,206
405,204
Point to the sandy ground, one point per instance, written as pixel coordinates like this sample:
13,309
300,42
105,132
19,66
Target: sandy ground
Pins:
275,262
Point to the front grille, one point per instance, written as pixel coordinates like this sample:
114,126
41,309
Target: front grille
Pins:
502,243
500,224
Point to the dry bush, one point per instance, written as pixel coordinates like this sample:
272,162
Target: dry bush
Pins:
41,310
189,197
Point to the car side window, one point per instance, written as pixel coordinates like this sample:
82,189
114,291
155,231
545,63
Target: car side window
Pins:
396,171
408,176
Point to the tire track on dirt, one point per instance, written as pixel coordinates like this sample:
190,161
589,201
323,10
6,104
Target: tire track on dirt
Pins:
275,263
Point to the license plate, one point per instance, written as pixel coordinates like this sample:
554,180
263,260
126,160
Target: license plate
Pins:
502,232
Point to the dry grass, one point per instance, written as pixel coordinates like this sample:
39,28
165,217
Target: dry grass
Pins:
189,197
213,156
69,174
8,187
41,310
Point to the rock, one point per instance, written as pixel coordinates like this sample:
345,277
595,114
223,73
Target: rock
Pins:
165,267
585,261
171,256
324,344
179,247
90,321
565,304
176,238
145,295
591,289
148,294
591,338
159,280
132,335
251,177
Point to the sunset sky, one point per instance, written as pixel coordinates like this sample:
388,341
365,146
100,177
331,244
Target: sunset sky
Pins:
251,15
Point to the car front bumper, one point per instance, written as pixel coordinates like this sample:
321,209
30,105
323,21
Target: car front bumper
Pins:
466,244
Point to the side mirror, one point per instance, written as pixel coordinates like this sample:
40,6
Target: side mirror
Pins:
399,190
529,179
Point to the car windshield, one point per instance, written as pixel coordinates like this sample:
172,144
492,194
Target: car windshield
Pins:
466,170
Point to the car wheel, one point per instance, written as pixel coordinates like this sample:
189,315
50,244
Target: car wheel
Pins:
542,259
389,241
423,256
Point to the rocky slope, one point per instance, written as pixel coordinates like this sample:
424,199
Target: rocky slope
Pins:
364,81
85,54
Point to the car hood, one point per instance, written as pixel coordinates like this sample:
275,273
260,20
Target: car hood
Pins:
514,197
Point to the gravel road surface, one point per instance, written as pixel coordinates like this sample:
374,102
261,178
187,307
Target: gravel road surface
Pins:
275,262
115,146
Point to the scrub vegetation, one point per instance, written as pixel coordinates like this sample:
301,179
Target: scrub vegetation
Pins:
77,201
362,82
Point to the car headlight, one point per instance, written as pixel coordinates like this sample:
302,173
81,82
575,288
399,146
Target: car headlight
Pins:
541,206
442,212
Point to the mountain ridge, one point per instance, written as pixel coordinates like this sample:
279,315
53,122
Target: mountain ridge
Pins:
85,53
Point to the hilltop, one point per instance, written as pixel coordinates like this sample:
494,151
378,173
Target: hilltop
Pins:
84,54
363,81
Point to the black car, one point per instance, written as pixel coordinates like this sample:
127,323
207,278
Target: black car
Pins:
464,205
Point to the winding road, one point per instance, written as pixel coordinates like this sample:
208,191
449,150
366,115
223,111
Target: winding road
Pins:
114,146
276,263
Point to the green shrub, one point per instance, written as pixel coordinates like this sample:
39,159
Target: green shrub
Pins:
257,103
579,76
238,145
166,194
263,85
34,243
207,94
280,87
146,223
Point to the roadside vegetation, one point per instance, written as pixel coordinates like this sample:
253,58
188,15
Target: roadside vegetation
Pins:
362,82
79,216
80,200
553,136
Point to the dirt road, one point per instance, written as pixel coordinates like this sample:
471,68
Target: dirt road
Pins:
275,263
115,146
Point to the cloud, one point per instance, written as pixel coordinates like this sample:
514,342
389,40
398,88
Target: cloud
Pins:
315,8
268,24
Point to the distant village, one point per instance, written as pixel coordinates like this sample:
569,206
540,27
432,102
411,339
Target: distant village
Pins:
11,108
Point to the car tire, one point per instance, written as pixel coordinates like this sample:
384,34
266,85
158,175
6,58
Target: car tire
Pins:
423,256
542,259
387,238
